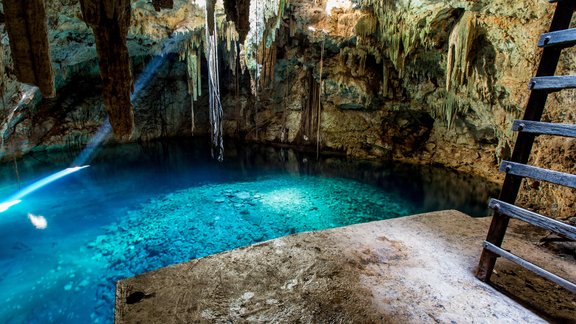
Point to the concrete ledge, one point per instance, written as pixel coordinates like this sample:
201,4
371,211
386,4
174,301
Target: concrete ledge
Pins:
415,269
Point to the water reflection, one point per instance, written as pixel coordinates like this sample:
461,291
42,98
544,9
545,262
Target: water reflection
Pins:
429,188
185,162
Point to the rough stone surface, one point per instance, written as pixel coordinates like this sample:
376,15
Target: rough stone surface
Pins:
406,131
26,24
110,21
417,269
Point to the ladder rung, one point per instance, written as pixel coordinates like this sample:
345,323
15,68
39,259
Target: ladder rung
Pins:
530,266
553,83
533,218
523,170
561,38
542,128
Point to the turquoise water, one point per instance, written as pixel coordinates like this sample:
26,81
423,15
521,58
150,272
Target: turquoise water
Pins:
141,207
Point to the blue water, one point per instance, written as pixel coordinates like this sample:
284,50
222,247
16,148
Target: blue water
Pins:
141,207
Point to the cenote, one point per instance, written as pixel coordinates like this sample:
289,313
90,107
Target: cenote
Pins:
139,207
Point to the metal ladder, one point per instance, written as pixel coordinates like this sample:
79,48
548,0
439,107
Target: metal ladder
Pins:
553,42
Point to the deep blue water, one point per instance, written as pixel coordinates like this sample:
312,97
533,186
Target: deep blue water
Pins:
141,207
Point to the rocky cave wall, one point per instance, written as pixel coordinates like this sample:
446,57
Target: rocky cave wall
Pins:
433,82
427,82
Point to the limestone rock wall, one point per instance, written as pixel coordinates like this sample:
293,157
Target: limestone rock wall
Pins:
423,81
463,63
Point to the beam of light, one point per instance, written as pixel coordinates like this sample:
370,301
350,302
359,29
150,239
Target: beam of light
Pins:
45,181
169,46
95,141
6,205
16,198
147,74
105,129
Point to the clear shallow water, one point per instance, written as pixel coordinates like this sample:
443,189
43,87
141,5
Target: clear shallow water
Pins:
141,207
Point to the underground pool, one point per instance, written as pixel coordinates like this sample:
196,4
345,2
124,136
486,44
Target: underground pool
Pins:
140,207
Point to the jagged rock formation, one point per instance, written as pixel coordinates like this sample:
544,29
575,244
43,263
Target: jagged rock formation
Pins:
110,21
26,24
238,11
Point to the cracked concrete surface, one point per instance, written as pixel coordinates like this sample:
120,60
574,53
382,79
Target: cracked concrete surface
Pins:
417,269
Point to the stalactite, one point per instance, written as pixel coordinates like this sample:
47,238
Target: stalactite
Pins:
194,73
459,46
267,61
26,24
265,19
450,109
353,59
211,52
458,66
362,64
190,52
231,38
399,36
110,20
216,30
238,12
366,26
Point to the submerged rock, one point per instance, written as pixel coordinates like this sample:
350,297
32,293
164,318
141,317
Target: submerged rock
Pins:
243,195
